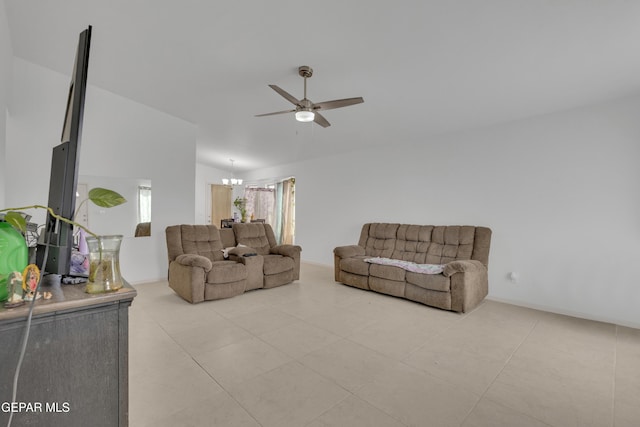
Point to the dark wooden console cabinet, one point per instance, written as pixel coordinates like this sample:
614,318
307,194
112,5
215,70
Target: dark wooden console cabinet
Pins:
75,369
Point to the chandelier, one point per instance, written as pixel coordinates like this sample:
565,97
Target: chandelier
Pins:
233,180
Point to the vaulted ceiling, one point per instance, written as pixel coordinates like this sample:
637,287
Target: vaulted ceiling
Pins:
423,67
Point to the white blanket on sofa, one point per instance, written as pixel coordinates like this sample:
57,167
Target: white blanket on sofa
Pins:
408,265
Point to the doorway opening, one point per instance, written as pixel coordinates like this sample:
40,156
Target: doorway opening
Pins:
272,203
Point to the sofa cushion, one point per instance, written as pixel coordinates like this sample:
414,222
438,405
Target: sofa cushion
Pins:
434,282
253,235
379,239
450,243
227,237
428,297
355,280
412,243
426,244
202,240
226,290
388,272
274,264
355,265
226,272
273,280
389,287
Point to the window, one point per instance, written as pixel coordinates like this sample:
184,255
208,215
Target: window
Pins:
144,203
275,204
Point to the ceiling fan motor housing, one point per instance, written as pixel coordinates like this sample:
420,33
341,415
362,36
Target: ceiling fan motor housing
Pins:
305,71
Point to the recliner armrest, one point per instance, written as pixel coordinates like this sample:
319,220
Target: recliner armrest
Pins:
193,260
348,251
242,250
463,267
286,250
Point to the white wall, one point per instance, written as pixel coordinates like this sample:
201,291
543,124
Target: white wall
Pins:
121,138
5,76
561,193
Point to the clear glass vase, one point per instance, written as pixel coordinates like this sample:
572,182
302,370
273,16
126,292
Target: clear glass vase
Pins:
104,264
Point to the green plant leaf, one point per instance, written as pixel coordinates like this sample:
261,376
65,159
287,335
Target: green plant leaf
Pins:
16,220
105,198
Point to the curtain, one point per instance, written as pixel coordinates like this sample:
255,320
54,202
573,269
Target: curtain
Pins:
260,203
284,227
288,212
276,206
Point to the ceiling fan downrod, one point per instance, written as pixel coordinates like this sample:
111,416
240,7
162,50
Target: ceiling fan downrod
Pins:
305,72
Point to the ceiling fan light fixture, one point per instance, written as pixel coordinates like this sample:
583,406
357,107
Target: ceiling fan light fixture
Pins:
305,116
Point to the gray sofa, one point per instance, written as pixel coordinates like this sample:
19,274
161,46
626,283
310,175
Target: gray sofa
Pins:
198,270
462,251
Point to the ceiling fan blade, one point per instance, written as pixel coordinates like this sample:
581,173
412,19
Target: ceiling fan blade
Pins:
286,95
337,103
273,114
319,119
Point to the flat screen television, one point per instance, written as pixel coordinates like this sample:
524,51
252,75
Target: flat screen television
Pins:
58,235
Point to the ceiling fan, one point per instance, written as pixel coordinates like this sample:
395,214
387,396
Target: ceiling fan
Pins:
307,111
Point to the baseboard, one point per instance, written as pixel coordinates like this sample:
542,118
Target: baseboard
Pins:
317,264
570,313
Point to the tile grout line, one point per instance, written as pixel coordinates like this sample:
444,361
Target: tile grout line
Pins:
615,369
498,374
226,391
203,369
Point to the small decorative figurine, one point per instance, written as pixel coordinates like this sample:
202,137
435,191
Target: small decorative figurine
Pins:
30,279
15,290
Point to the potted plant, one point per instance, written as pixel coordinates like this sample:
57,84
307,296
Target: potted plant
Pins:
241,204
102,259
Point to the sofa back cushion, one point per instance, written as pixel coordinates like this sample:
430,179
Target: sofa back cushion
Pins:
378,239
256,235
227,237
426,244
194,239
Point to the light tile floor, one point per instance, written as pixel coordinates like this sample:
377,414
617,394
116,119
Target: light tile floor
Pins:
317,353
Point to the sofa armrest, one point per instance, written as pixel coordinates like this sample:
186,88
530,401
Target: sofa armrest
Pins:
348,251
341,252
240,251
291,251
193,260
286,250
463,267
187,281
469,284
